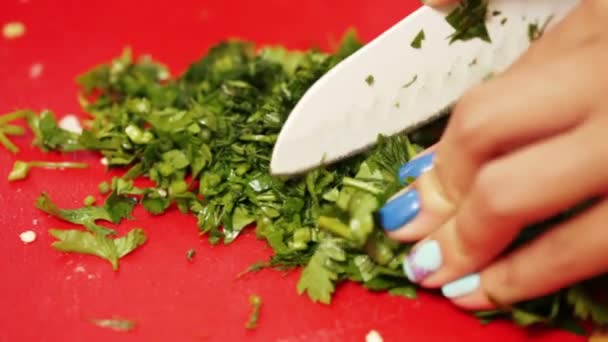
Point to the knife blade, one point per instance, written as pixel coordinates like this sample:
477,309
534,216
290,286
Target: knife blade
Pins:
389,87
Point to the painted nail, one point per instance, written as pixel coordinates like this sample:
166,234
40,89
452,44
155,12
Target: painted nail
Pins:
461,287
414,168
399,211
422,261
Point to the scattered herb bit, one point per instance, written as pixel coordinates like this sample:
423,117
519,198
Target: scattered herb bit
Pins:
104,188
13,30
535,31
21,168
417,41
115,208
585,307
397,104
77,241
256,304
405,291
7,129
412,81
473,62
503,21
370,80
89,201
190,254
496,13
469,21
117,324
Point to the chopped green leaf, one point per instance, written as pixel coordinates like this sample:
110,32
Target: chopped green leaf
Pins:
22,168
417,41
405,291
114,210
469,21
76,241
412,81
320,274
535,31
370,80
89,201
104,188
190,254
256,305
585,307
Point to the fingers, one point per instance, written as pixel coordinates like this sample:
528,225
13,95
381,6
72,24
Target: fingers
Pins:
569,253
512,110
510,193
484,125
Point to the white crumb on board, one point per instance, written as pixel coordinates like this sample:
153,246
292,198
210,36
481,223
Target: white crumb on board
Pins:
70,123
104,161
36,70
13,30
28,236
373,336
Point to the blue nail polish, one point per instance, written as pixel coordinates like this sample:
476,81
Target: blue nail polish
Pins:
399,211
462,287
414,168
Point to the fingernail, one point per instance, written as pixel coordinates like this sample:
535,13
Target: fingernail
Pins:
414,168
422,261
399,211
461,287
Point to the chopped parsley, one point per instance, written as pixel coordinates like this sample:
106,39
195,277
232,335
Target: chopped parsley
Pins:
412,81
205,139
21,169
535,31
469,21
417,41
370,80
503,21
256,305
117,324
190,254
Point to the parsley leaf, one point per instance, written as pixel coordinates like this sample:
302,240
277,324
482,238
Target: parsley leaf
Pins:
320,274
469,21
585,307
417,41
256,305
76,241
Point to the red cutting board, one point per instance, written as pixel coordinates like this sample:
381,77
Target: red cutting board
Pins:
49,296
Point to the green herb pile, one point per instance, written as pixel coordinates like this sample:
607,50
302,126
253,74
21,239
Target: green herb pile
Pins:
205,140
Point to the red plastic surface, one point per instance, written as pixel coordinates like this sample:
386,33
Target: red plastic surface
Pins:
49,296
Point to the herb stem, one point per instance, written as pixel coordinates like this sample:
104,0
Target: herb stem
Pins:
333,225
8,144
12,130
57,165
20,114
361,185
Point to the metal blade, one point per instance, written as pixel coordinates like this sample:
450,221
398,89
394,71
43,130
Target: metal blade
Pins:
343,114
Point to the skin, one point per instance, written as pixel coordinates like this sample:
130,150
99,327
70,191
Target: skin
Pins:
519,148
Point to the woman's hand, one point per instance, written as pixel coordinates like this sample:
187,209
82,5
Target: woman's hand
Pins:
522,147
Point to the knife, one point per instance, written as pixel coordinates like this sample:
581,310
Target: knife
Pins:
389,87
